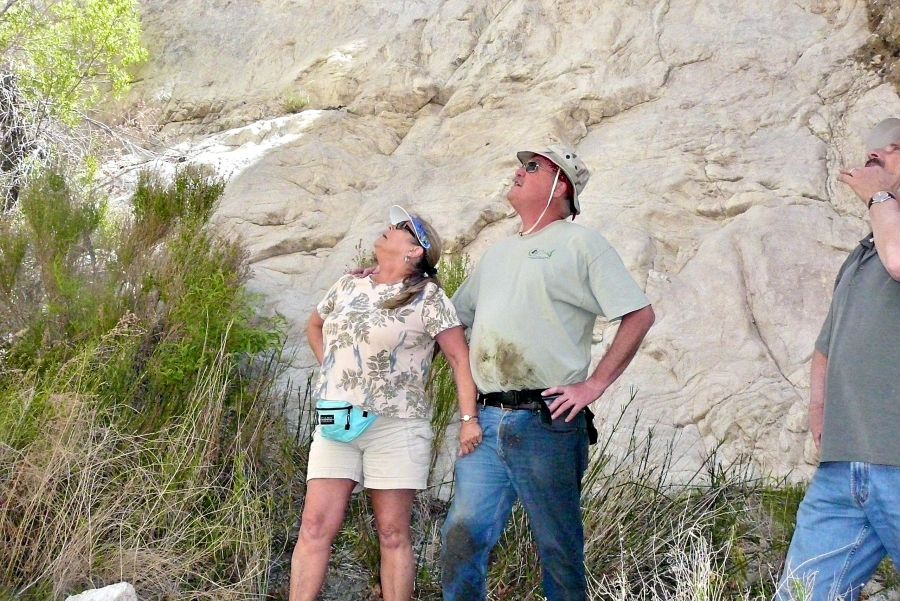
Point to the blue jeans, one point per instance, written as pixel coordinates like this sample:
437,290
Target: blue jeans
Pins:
541,465
848,521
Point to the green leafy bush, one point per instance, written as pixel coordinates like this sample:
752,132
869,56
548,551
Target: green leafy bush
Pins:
159,204
66,53
138,434
294,104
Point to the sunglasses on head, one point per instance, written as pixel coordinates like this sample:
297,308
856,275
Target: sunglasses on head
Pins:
416,230
532,166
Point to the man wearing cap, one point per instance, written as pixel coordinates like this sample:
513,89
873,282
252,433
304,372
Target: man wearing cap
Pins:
850,517
531,304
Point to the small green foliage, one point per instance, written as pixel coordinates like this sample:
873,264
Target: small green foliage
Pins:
362,257
781,504
13,245
453,270
58,221
293,104
208,312
65,299
888,575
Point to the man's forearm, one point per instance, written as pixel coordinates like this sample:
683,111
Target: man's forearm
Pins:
817,389
632,330
885,218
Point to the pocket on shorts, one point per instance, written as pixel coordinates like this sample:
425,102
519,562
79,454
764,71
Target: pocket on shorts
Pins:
418,442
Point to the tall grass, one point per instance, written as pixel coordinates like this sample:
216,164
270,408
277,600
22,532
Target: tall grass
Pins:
139,434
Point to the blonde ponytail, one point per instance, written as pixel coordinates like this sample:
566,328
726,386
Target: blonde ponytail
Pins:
413,286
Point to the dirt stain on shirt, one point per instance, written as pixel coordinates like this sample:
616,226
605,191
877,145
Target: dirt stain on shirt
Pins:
505,364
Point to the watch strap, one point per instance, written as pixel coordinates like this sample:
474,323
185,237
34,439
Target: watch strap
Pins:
880,197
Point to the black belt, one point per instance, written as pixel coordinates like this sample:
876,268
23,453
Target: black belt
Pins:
531,400
525,400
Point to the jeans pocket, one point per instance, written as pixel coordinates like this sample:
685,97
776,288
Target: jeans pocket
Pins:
561,426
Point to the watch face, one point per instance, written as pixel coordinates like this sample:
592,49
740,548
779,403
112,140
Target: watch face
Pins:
882,197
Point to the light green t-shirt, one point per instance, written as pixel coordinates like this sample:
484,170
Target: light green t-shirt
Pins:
531,304
375,358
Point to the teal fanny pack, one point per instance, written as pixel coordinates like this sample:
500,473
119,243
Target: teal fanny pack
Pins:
341,421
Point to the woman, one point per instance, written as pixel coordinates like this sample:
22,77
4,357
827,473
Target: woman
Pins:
374,339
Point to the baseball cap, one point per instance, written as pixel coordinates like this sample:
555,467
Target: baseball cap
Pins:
566,159
885,133
398,214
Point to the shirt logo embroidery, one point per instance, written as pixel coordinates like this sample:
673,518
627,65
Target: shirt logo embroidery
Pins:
537,253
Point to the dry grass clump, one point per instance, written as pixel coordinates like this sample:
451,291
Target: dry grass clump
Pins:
178,512
882,51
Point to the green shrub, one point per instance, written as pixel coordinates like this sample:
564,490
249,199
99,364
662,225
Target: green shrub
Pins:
159,204
66,294
13,245
208,312
293,104
138,435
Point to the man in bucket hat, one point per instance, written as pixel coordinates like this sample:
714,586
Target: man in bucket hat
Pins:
850,516
531,304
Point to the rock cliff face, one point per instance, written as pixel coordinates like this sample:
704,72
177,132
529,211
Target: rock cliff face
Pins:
714,130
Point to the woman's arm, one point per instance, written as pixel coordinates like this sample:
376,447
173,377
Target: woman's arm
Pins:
314,335
453,345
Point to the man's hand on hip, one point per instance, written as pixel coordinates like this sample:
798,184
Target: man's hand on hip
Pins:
572,398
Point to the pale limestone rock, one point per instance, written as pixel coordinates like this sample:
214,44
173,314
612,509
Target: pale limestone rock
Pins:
122,591
715,131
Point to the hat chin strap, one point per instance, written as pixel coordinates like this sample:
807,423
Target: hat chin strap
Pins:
546,206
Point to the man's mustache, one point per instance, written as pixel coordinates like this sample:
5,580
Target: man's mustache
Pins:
875,161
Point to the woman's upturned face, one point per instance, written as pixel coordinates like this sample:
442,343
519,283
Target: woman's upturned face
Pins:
397,238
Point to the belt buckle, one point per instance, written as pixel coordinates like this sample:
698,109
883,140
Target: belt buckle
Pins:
518,398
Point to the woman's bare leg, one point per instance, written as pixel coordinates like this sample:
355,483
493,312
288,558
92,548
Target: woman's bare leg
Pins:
323,513
393,511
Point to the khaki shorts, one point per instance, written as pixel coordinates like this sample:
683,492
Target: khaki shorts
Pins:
394,453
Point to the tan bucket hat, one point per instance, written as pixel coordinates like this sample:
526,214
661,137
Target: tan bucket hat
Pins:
566,159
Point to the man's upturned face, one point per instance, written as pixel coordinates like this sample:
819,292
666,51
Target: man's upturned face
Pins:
888,158
532,184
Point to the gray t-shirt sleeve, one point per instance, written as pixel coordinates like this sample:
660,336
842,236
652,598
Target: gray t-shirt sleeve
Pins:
465,298
612,289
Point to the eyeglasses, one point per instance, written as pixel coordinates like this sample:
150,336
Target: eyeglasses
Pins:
416,230
532,166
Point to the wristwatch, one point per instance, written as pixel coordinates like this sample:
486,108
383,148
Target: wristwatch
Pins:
880,197
468,418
